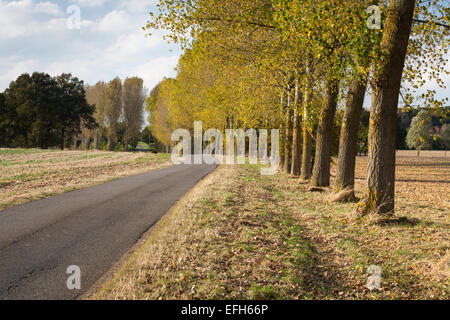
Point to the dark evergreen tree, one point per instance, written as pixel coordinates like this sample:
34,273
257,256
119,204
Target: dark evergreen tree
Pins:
40,110
19,117
72,112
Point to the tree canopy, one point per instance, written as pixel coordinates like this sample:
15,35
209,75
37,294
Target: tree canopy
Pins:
294,65
40,110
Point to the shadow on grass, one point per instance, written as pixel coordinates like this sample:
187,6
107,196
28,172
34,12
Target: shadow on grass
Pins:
425,181
408,222
322,278
398,221
310,267
442,163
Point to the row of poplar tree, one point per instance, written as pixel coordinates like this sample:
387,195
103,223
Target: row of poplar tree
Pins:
305,66
38,110
119,114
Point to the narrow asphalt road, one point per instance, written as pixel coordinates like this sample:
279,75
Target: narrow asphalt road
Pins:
90,228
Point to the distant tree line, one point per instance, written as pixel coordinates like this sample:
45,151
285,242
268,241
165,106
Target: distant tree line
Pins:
417,129
420,129
42,111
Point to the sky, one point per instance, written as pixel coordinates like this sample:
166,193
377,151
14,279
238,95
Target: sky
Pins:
108,41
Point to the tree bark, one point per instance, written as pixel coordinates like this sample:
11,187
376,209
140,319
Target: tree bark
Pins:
380,189
126,140
288,136
296,136
62,138
321,169
345,177
282,130
111,143
96,140
306,153
306,169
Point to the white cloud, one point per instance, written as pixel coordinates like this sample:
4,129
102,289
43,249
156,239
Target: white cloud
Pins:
89,3
48,8
115,21
152,72
79,68
24,18
34,37
129,45
136,6
17,69
155,70
21,4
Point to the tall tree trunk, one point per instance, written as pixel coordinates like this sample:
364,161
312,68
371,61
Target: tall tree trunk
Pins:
380,189
111,143
296,136
321,169
27,141
288,142
282,130
96,140
126,140
63,134
306,153
288,139
345,177
306,169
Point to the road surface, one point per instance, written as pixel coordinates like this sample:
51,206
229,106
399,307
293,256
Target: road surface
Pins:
89,228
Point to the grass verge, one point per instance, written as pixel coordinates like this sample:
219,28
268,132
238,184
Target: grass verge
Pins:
240,235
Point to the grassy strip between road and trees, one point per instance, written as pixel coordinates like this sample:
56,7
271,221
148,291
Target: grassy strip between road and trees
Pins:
240,235
32,174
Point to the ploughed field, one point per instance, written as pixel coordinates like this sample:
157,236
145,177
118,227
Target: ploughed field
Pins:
418,179
31,174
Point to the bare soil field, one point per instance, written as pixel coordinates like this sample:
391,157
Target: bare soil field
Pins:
418,179
240,235
31,174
